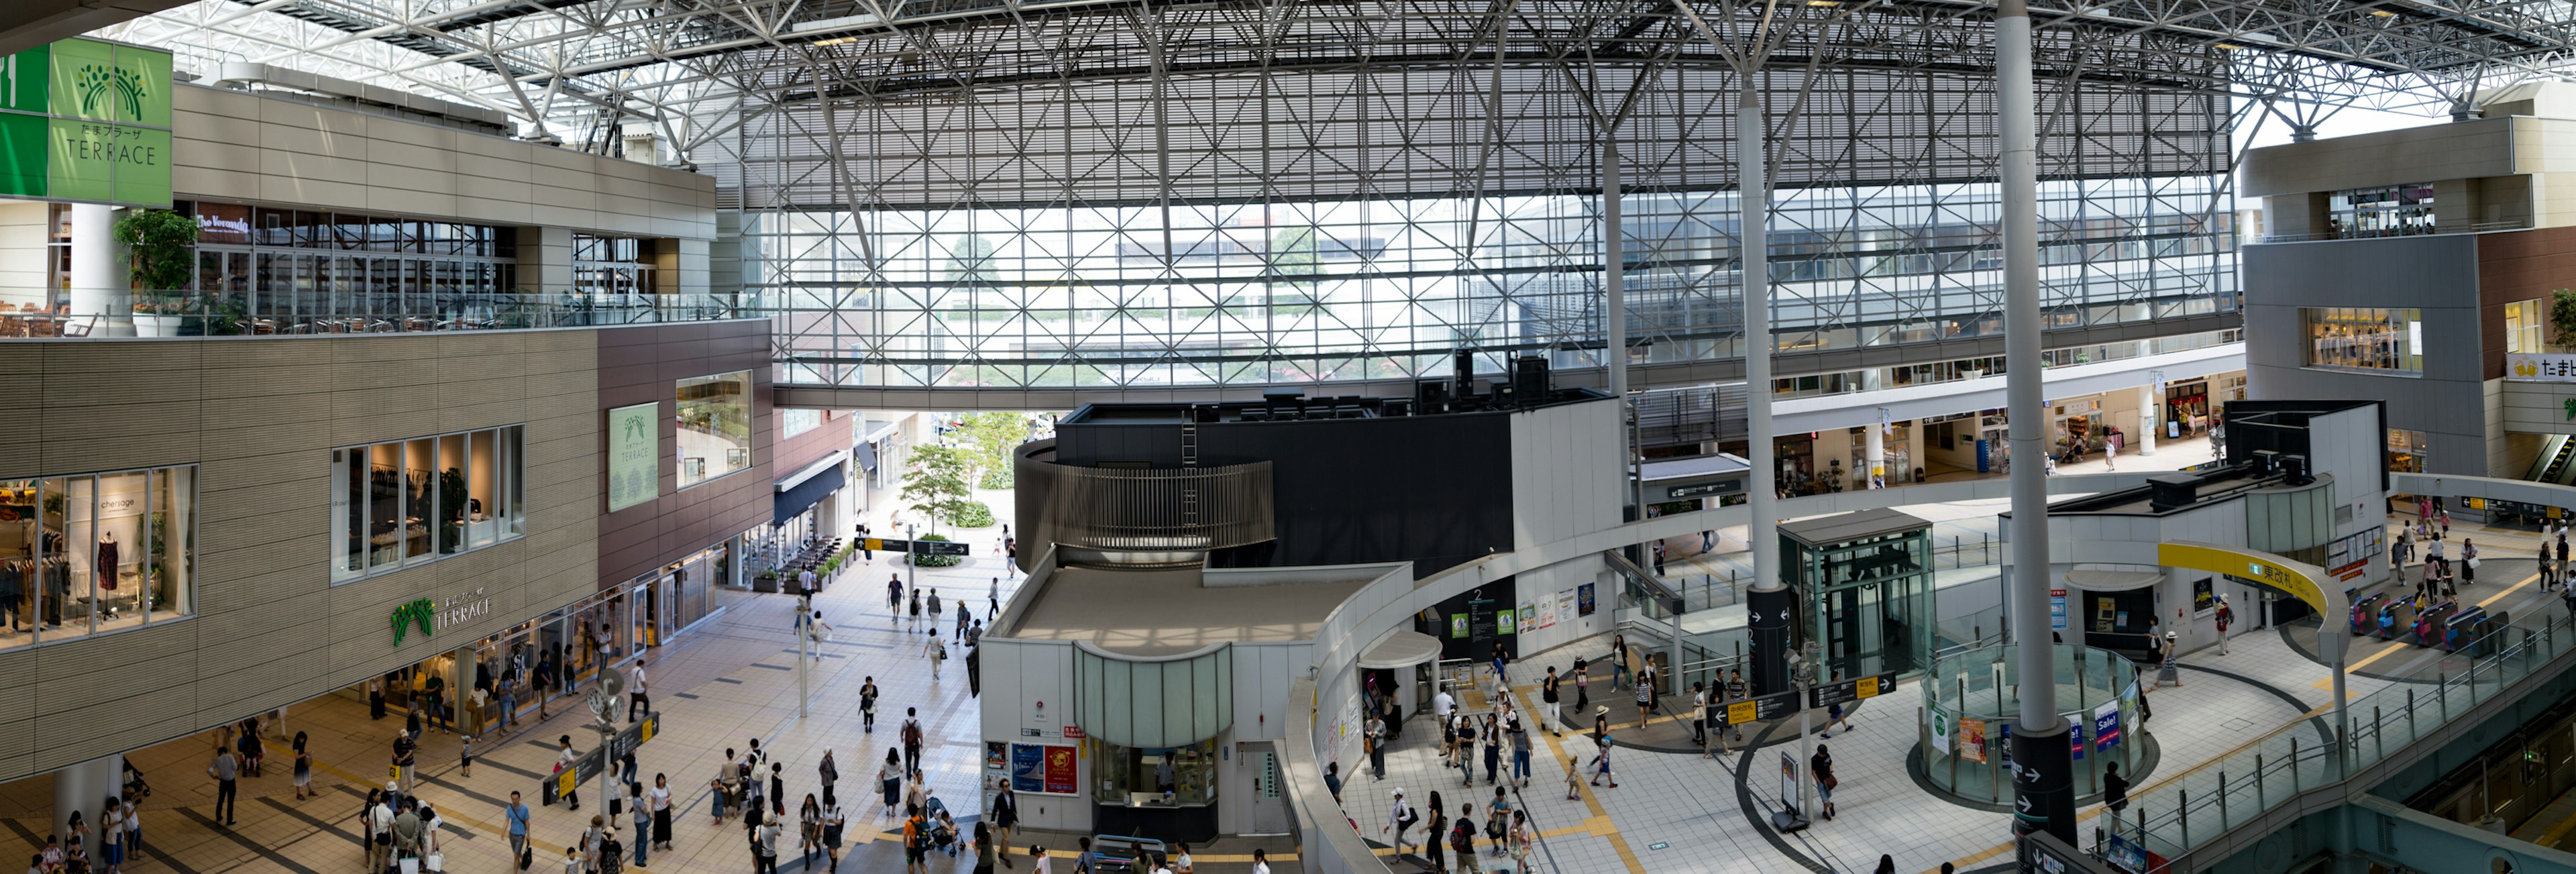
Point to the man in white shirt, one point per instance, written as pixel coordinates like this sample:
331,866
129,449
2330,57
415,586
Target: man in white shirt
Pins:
637,701
380,821
1443,705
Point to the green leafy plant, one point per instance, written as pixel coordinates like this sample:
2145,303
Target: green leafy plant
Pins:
972,514
991,437
936,484
2562,316
920,560
161,254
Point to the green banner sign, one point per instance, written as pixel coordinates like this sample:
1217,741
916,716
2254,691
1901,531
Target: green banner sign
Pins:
88,121
634,455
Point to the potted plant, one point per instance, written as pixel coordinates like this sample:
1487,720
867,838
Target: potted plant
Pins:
160,251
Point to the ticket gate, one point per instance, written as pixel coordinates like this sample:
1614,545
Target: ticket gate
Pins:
2389,628
2428,623
2462,628
2365,612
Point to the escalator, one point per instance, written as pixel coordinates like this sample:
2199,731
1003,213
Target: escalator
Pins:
2557,462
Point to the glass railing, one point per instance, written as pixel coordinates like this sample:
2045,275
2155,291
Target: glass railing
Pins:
1703,591
2172,818
65,314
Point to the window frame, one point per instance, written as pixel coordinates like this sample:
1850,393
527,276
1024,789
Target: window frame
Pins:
507,485
34,583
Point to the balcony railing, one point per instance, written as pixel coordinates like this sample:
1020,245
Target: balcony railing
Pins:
214,314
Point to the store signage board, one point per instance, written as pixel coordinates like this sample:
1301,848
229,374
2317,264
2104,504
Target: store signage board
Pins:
86,121
2540,367
634,455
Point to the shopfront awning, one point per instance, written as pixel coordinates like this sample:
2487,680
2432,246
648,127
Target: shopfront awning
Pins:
867,452
1401,649
799,496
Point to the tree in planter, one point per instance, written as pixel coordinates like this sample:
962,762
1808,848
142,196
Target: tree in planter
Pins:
920,560
161,255
2562,318
936,484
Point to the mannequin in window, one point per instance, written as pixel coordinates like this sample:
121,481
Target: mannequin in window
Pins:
106,564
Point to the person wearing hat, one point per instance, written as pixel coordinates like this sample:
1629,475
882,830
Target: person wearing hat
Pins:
1399,818
2226,616
2172,646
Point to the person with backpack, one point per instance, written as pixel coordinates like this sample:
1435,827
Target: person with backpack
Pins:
1462,836
1498,817
911,737
916,843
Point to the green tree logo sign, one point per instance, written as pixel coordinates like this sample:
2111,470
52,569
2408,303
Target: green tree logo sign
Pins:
94,82
417,611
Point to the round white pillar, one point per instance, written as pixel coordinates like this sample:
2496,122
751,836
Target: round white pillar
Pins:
85,787
1873,456
2150,417
98,277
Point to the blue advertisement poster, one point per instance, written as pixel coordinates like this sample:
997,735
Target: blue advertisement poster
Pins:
1028,768
2106,725
2075,734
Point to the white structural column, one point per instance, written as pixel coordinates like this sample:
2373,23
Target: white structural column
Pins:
2043,780
1873,457
98,285
1614,280
2151,408
85,787
1769,604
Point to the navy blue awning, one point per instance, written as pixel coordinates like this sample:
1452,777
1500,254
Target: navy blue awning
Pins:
867,456
801,497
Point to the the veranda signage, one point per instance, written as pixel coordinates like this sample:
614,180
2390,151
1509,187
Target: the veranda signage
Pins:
432,615
86,120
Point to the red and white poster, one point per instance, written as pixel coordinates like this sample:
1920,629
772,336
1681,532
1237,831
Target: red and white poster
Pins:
1059,770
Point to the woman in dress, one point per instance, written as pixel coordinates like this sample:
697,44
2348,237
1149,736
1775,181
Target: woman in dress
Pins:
303,769
890,780
660,798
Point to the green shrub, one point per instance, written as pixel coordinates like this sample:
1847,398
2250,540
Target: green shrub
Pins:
998,478
919,560
972,514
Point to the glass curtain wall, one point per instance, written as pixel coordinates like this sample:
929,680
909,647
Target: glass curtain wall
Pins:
1354,289
96,553
398,504
273,269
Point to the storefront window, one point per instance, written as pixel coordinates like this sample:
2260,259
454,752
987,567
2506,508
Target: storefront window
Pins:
408,502
83,555
715,426
2365,338
2383,211
2522,321
2406,451
1180,776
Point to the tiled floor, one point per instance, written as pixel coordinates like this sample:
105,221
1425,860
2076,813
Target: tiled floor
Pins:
1684,812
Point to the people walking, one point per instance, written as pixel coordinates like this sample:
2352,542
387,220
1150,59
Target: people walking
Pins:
639,699
516,815
936,651
868,706
911,738
890,781
1399,818
1821,768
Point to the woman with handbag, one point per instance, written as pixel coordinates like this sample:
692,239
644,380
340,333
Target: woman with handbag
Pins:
1547,694
890,780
